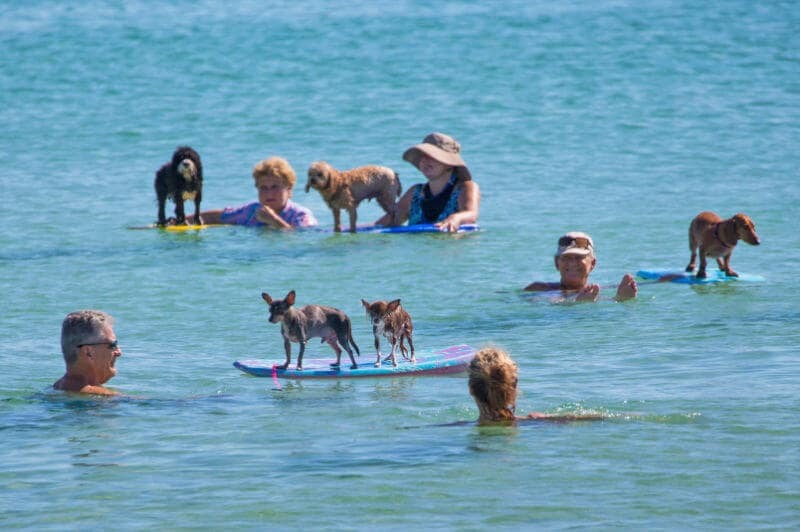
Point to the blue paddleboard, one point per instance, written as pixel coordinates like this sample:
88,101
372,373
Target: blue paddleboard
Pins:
418,228
453,359
678,276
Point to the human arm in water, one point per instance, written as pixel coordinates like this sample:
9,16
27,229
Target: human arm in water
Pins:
627,289
469,202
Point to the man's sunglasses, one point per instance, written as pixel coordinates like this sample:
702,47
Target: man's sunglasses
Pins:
568,241
111,345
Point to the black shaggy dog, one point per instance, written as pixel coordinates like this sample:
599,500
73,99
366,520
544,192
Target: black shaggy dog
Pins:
180,179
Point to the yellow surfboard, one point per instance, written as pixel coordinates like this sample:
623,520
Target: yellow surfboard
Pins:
178,228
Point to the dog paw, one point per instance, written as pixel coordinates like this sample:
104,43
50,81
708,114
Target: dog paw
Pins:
299,368
378,364
701,275
690,268
731,273
354,366
335,365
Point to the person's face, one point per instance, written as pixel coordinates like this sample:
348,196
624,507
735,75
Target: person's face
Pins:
102,356
575,269
431,168
273,193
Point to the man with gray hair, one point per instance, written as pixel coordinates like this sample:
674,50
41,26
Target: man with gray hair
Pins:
90,351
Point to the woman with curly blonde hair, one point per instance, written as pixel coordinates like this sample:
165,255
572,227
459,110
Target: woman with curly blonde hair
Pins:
274,179
493,385
493,377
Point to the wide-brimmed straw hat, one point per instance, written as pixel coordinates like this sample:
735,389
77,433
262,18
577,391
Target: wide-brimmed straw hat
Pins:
442,148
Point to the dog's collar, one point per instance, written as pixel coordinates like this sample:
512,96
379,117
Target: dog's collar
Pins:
716,235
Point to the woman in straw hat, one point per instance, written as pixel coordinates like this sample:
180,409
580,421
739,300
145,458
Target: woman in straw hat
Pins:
450,198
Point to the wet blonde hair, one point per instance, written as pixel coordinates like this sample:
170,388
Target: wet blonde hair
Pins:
493,384
275,167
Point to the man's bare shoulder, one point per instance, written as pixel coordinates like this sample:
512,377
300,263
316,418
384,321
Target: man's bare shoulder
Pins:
540,286
98,390
65,385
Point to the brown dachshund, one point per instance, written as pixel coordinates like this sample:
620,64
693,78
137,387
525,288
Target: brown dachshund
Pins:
716,238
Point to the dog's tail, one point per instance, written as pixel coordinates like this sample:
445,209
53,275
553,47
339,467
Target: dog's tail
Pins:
350,337
399,185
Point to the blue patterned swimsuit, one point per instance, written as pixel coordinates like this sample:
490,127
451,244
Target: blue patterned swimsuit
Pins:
416,212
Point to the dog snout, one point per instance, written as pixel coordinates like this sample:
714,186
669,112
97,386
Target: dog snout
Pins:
186,169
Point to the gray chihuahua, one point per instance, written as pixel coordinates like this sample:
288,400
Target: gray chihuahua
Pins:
311,321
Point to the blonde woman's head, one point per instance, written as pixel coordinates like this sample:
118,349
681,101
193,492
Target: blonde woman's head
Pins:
493,384
275,168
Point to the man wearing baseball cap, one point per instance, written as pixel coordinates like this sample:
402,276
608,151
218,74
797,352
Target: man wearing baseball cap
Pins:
575,260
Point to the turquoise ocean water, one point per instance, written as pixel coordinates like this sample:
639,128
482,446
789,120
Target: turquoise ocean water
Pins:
622,119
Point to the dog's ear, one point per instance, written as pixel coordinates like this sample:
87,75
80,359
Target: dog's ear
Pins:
265,297
290,297
742,220
365,303
310,177
393,305
324,174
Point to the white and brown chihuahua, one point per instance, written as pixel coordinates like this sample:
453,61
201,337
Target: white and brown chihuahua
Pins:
392,321
311,321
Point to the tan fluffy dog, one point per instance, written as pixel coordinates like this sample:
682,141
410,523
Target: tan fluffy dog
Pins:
346,189
716,238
